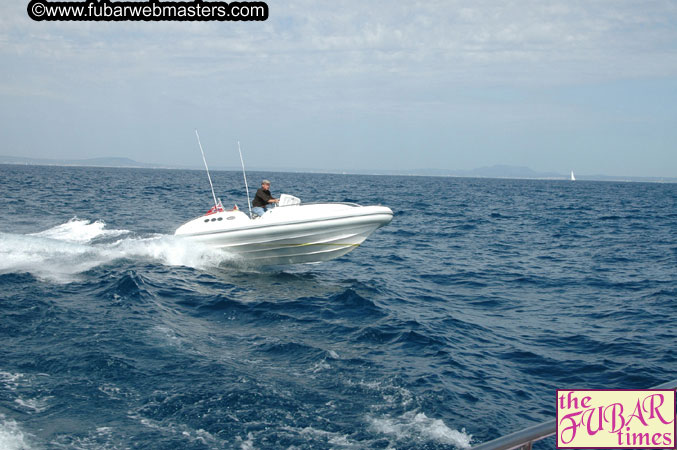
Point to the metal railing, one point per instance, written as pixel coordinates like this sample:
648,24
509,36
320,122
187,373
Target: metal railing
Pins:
524,439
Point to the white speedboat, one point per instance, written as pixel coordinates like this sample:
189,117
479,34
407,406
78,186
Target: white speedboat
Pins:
288,234
291,233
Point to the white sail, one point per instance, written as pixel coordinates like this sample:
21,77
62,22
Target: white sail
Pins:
573,178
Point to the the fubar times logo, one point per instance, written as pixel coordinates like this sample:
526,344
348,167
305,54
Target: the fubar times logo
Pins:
620,418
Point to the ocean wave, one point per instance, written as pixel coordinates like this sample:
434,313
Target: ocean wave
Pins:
296,350
377,334
33,405
309,437
416,426
80,231
10,380
12,437
350,302
421,340
61,253
129,286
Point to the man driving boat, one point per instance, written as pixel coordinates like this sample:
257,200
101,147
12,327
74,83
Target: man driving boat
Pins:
263,200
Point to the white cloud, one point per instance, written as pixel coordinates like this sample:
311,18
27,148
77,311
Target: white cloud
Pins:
341,61
378,42
358,38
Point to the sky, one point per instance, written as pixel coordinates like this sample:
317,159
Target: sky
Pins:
561,85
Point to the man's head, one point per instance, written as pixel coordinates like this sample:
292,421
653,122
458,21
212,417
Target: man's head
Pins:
265,184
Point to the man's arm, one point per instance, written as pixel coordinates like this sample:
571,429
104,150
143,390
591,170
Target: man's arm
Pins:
270,198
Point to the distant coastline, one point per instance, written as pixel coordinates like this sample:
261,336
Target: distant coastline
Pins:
496,171
90,162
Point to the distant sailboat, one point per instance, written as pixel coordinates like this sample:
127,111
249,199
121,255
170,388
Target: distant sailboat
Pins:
573,178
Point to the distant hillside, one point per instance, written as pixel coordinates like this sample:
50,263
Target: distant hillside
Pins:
503,171
498,171
96,162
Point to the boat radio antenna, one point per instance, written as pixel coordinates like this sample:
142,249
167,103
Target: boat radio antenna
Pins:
244,174
216,205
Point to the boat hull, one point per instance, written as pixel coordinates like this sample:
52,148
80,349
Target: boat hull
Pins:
291,235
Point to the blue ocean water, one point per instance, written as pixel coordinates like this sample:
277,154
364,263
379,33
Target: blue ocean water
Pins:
451,326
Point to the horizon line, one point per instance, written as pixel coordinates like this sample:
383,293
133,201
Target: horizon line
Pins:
47,162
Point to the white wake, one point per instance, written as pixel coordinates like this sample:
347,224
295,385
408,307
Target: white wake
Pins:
62,252
419,427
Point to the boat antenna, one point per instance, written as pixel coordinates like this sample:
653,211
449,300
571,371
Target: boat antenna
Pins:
216,205
245,179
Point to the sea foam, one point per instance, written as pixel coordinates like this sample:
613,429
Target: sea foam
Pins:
62,252
11,436
79,231
418,426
